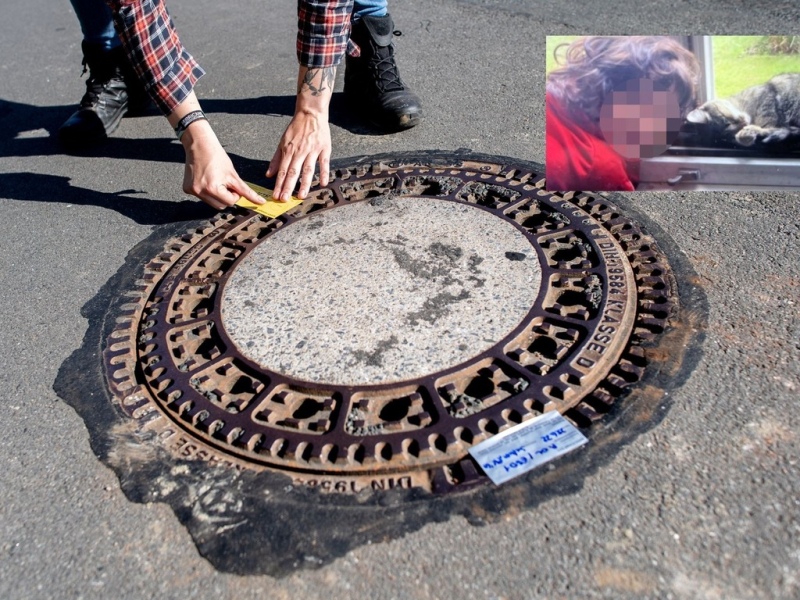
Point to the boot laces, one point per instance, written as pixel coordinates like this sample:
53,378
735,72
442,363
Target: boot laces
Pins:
96,85
384,67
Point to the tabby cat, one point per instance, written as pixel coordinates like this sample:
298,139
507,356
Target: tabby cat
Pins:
766,114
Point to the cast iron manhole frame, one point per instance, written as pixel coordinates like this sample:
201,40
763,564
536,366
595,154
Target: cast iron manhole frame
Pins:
143,359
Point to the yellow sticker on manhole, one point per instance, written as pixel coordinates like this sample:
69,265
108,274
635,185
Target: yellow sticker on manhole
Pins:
271,208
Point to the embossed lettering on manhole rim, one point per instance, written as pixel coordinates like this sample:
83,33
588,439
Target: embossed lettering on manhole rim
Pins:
606,293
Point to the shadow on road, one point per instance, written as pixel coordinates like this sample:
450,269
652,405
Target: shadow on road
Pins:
145,211
28,130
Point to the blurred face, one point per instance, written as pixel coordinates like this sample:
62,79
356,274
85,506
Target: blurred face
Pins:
640,122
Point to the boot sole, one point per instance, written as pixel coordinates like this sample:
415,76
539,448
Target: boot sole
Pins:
85,135
409,121
402,123
380,121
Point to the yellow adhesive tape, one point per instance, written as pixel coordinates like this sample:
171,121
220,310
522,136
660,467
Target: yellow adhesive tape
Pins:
271,208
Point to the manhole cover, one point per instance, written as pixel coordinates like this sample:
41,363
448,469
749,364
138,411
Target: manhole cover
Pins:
368,338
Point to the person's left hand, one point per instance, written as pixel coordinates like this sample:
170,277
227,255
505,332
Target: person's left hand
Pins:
306,141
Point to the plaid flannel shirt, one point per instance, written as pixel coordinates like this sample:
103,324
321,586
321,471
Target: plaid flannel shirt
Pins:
323,32
169,73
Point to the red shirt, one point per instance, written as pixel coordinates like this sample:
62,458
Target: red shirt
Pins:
578,160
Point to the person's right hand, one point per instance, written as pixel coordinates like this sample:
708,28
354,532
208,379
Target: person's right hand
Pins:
209,173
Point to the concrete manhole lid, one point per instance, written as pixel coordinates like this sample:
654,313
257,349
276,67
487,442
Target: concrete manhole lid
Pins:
366,339
380,291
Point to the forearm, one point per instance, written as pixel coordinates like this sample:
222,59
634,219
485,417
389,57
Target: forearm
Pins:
314,90
168,72
190,104
323,30
198,132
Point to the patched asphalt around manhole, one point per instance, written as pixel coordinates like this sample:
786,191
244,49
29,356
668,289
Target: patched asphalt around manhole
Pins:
308,370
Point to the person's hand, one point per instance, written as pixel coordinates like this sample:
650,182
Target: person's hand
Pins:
306,141
209,172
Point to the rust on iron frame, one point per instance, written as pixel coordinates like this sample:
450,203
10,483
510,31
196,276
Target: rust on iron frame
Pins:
607,292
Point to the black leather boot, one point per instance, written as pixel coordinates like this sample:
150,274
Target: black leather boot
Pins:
105,101
372,82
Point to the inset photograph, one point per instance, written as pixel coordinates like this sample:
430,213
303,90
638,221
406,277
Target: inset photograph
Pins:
628,113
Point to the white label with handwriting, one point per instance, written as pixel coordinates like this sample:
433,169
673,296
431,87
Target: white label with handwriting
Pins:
526,446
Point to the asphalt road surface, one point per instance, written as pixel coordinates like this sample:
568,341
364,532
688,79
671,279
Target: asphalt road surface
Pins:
704,505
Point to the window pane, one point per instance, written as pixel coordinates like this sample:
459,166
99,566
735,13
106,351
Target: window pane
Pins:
741,61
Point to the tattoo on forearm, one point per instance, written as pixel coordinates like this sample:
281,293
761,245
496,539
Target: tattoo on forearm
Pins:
318,81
